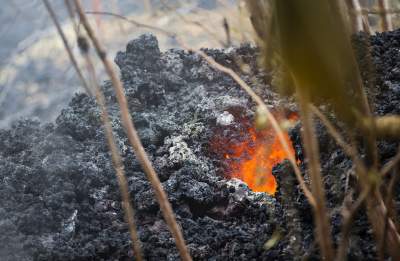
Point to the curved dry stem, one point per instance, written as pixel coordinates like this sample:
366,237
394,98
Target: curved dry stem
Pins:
346,227
348,149
195,23
134,139
135,23
66,46
386,19
391,164
310,142
117,163
115,154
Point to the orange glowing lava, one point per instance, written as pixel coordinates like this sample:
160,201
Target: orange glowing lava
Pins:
251,159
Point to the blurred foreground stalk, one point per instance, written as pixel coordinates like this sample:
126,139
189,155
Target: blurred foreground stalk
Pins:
133,137
307,44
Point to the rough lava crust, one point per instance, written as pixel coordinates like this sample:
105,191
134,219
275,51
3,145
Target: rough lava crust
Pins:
59,198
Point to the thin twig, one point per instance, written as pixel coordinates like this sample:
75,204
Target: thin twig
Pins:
67,47
369,136
71,14
227,32
388,213
386,19
367,27
391,164
134,22
361,170
377,211
348,149
195,23
117,162
367,11
356,16
322,223
346,227
134,139
115,154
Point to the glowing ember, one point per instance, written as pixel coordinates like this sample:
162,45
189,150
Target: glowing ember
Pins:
252,158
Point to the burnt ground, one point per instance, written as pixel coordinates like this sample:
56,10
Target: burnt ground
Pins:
59,198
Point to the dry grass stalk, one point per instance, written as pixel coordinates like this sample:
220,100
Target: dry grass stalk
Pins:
215,37
129,212
391,164
388,213
386,18
356,16
227,32
348,217
348,149
115,154
306,69
71,14
116,158
377,212
362,171
387,127
135,140
367,27
322,221
373,11
66,46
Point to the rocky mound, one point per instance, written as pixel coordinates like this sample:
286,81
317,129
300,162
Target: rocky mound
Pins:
59,198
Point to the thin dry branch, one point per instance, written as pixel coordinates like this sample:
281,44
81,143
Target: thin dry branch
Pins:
355,13
348,149
388,213
377,207
134,22
377,211
391,164
227,32
117,163
362,172
135,140
115,154
322,220
373,11
348,216
71,14
386,19
66,46
195,23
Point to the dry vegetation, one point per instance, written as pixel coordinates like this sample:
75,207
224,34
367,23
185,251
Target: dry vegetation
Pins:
305,64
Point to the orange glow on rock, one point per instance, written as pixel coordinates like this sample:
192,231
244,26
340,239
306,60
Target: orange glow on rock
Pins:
251,159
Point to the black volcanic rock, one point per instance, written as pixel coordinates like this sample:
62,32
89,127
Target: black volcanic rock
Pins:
59,198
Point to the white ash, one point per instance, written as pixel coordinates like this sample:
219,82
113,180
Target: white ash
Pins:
69,224
225,119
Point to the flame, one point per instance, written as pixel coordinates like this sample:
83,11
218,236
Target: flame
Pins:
252,158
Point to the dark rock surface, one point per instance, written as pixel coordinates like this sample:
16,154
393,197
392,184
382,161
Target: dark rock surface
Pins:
59,198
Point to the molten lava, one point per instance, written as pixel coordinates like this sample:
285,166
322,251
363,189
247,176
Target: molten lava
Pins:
252,157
